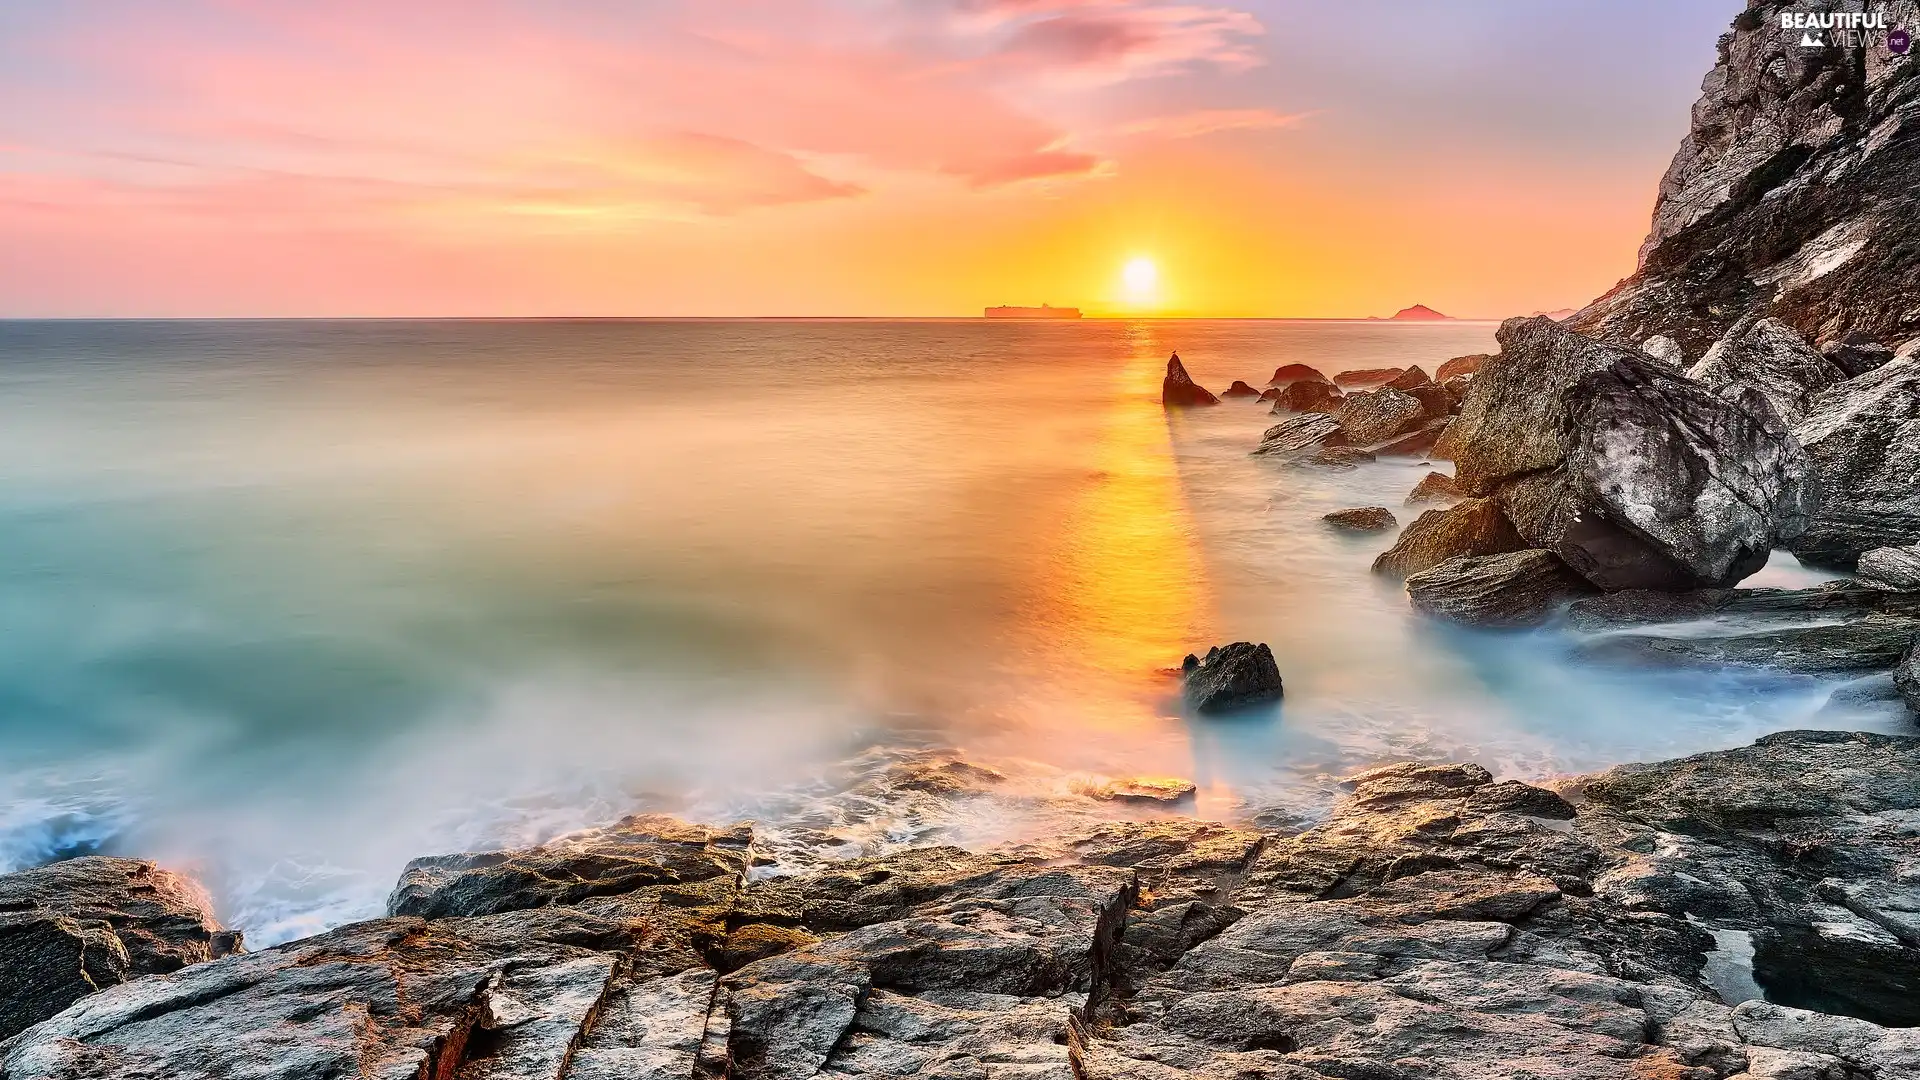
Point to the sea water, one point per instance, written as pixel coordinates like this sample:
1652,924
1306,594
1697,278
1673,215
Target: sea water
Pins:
287,603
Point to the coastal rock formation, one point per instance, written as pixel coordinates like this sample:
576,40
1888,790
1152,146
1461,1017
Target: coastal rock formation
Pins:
1412,377
1304,434
1362,519
1892,568
1418,444
1863,439
1375,416
1179,389
1872,643
1435,487
1474,527
1240,390
1306,397
74,927
1634,475
1461,365
1288,374
1365,377
1517,589
1768,356
1236,676
1833,600
1792,196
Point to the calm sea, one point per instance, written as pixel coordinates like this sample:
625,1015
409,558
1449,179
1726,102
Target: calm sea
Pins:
287,603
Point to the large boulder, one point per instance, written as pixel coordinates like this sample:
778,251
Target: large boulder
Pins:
1634,475
1375,416
1473,527
1232,677
1863,438
1304,434
1893,568
75,927
1517,589
1179,389
1768,356
1307,396
1287,374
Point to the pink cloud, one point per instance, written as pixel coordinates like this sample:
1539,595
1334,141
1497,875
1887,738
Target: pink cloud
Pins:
1207,121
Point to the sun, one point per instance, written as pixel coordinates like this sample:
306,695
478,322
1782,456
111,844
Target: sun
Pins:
1142,280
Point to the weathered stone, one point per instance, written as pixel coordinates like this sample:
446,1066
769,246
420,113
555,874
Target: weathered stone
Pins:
1307,433
1370,417
1664,349
1892,568
1474,527
1236,676
1307,397
1768,356
1179,389
1634,475
1461,365
1287,374
1146,789
74,927
1457,388
1413,376
1874,643
1855,355
1517,589
1906,677
1435,487
1419,444
1366,377
1240,389
1362,519
1863,438
1641,607
1332,459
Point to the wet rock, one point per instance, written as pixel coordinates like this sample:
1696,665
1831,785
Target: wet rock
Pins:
1147,789
1472,528
1664,349
1366,377
1855,355
1414,376
1906,678
1307,397
74,927
636,852
1517,589
1362,519
1873,643
1305,434
1236,676
1892,568
1435,487
1863,439
1240,390
1461,365
1634,475
1179,389
1768,356
1287,374
1333,459
1643,607
1419,444
1370,417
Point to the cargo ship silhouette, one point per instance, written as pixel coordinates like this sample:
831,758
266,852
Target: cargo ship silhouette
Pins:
1044,311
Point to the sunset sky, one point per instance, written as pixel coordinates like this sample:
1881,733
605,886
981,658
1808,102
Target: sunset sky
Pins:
833,157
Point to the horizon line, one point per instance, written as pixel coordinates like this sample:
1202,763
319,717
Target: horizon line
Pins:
751,318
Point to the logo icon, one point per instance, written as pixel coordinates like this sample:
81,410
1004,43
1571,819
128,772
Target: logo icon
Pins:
1810,40
1898,42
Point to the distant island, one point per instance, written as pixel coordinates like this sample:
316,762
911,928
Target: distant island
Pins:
1044,311
1418,312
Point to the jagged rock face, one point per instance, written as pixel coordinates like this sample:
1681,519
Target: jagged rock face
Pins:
1475,527
1375,416
1634,475
1332,459
1179,389
1792,196
1237,676
74,927
1863,439
1307,433
1766,355
1518,589
1306,396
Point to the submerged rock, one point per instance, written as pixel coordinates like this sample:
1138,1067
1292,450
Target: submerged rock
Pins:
1236,676
1304,434
1768,356
1362,519
1461,365
1863,438
74,927
1892,568
1364,377
1287,374
1634,475
1307,397
1179,389
1435,487
1370,417
1472,528
1241,390
1517,589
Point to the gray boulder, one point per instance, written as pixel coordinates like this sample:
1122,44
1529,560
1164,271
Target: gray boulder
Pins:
1362,519
1474,527
1863,439
1517,589
74,927
1768,356
1375,416
1892,568
1664,349
1179,390
1906,677
1634,475
1307,433
1237,676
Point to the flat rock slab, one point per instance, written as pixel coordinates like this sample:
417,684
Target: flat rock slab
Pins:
1510,591
1643,607
1872,643
1362,519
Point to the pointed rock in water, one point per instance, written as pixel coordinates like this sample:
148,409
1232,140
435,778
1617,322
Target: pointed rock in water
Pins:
1461,365
1364,377
1375,416
73,927
1856,354
1179,388
1241,389
1768,356
1474,527
1435,487
1892,568
1636,476
1306,397
1287,374
1863,438
1304,434
1362,519
1236,676
1510,591
1664,349
1412,377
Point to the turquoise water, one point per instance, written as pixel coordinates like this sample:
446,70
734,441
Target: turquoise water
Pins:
289,603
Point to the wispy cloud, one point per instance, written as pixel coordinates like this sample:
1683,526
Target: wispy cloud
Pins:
1190,125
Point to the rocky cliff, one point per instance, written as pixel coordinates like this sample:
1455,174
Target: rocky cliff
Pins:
1794,195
